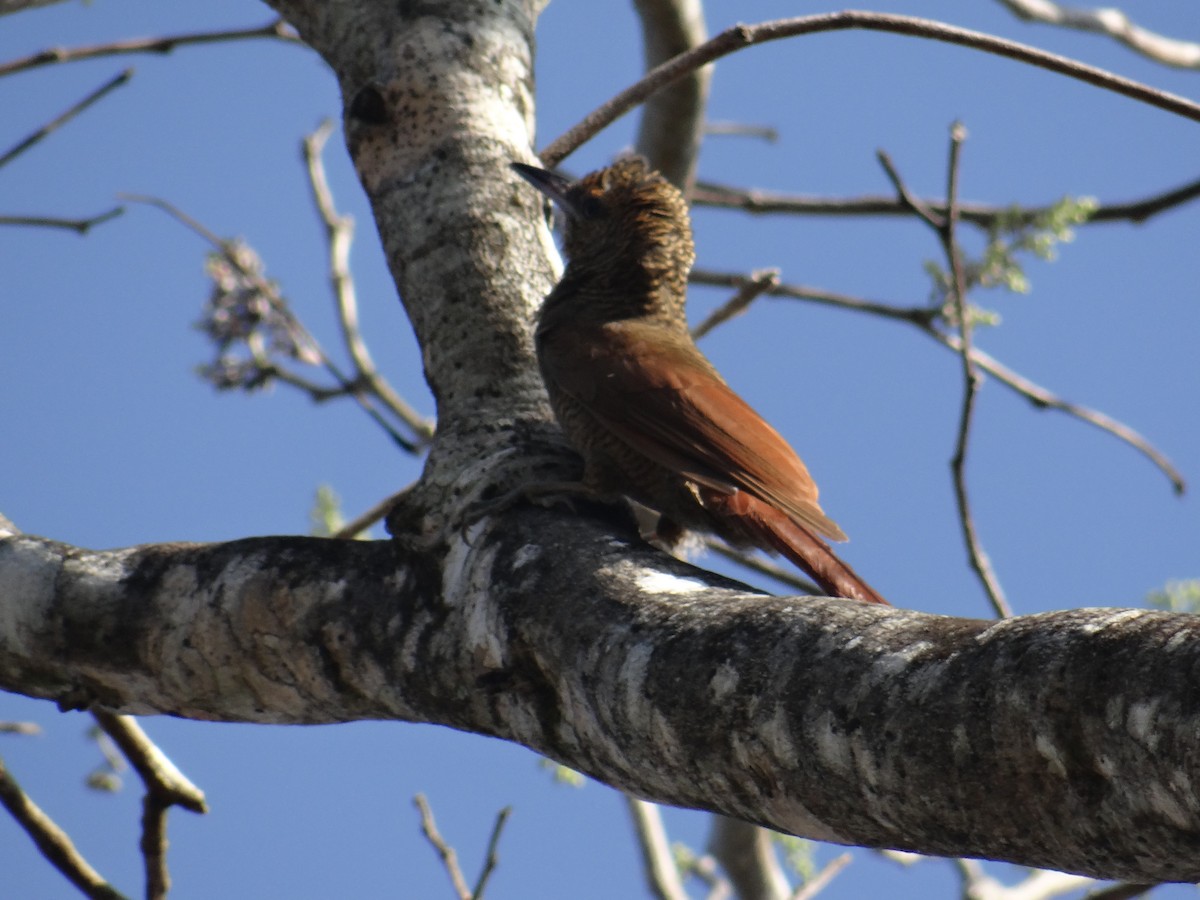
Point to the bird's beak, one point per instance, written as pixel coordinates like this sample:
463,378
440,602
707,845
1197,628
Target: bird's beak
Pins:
551,184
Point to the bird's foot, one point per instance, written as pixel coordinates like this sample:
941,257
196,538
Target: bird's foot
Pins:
541,493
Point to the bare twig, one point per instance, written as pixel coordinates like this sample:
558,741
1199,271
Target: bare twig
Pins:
347,386
658,863
339,231
821,880
82,226
7,7
165,787
918,315
277,29
762,566
748,858
912,204
29,729
1114,23
52,841
981,214
358,525
154,846
741,129
156,771
706,868
945,226
445,851
492,859
1039,884
923,318
971,381
739,37
1045,399
758,283
67,115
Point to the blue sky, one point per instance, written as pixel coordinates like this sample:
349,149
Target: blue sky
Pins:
111,440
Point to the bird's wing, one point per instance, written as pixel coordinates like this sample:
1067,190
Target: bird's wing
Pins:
669,404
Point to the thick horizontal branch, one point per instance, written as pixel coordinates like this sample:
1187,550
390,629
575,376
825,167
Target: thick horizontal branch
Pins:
1065,740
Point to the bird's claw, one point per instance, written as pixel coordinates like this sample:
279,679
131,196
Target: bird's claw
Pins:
541,493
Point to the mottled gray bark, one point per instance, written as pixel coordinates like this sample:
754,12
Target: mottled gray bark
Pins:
1066,740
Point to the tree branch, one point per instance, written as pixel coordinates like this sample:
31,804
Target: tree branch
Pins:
1114,23
923,318
739,37
445,852
822,879
52,841
1063,740
278,29
945,227
747,855
753,200
339,230
491,858
658,863
82,226
62,118
672,125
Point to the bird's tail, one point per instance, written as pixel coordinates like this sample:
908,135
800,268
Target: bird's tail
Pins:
771,529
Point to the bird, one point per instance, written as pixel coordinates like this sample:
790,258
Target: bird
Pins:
652,418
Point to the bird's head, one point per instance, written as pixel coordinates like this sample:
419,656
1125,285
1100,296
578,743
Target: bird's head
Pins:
626,218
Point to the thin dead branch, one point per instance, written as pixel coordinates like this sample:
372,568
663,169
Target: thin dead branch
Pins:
983,215
65,116
946,229
376,513
444,851
754,287
157,772
339,231
300,335
276,29
165,787
1115,24
739,37
924,319
741,129
748,857
822,879
706,868
1046,399
82,226
52,841
492,858
762,566
658,863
